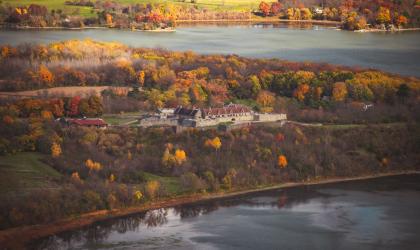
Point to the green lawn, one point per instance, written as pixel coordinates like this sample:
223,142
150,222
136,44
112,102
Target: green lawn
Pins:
122,119
54,4
24,171
172,184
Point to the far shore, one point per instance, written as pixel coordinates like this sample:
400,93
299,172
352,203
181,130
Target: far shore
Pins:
18,237
382,30
252,20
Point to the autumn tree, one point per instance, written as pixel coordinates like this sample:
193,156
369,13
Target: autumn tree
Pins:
266,101
264,8
92,165
384,16
282,161
137,195
168,159
45,76
152,188
339,93
293,14
75,177
73,106
301,91
141,78
180,156
275,8
215,143
306,14
229,177
108,19
402,20
55,150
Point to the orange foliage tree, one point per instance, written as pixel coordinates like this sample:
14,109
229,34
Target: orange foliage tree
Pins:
282,161
45,76
91,165
264,8
301,91
266,100
339,91
180,156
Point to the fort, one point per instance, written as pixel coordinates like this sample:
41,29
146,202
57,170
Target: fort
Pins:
207,117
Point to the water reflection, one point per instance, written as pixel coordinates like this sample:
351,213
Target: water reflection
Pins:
361,215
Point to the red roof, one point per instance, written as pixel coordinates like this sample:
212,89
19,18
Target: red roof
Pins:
87,122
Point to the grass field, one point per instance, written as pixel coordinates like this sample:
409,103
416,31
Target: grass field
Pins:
238,5
122,119
55,4
24,171
171,183
83,91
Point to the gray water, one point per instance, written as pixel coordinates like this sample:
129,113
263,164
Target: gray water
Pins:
370,214
392,52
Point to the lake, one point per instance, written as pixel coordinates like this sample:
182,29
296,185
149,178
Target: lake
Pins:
379,213
393,52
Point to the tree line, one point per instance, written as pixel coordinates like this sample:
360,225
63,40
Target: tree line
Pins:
164,78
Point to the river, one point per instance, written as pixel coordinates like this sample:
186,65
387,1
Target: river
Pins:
378,213
393,52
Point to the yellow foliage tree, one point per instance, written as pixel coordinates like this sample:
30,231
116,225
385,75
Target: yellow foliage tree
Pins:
282,161
180,156
215,143
55,150
168,159
138,195
151,188
384,15
140,78
111,178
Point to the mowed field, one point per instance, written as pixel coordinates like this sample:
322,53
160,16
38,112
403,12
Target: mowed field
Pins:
239,5
25,171
82,91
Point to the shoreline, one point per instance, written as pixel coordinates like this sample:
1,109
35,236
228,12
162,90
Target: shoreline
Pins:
227,21
261,20
381,30
26,234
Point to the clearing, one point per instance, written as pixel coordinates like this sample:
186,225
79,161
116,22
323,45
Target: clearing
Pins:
24,171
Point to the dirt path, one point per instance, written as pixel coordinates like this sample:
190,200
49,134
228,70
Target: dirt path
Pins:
16,238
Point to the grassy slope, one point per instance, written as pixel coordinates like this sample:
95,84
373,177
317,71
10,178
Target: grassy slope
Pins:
171,183
54,4
238,5
24,171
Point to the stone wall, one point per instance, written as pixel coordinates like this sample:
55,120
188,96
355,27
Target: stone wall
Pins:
269,117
